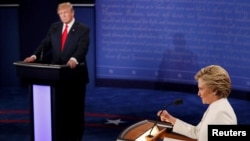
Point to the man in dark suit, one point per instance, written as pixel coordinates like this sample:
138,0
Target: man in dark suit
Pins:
77,42
71,52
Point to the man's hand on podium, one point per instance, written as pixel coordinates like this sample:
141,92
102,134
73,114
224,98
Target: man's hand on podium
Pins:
72,64
30,59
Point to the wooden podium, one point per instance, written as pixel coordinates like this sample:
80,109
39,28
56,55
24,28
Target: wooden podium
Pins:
56,100
140,130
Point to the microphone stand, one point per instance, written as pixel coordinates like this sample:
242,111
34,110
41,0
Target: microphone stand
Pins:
41,56
176,102
155,123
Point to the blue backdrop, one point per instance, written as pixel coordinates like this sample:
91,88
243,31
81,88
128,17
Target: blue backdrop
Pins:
145,40
170,40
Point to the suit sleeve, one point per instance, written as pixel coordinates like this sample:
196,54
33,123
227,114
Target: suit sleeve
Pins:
82,45
186,129
45,44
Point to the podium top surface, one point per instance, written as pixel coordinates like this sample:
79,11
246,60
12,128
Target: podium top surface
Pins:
133,132
39,65
50,73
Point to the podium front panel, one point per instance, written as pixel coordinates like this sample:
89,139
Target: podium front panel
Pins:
51,86
42,113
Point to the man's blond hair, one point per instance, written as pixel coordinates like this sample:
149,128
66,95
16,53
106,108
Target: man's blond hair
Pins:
65,5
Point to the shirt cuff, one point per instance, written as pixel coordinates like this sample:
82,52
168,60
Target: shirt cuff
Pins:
34,56
74,59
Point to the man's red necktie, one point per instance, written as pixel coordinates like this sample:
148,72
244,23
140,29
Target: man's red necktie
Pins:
64,36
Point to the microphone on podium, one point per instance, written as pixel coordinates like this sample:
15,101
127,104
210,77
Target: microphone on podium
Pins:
175,102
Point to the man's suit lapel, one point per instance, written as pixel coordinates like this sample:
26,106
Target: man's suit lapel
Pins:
58,35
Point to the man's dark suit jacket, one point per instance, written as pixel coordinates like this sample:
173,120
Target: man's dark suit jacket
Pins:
76,44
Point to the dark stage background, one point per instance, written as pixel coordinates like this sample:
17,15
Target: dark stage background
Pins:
24,24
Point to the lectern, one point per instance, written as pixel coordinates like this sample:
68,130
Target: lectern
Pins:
56,98
140,130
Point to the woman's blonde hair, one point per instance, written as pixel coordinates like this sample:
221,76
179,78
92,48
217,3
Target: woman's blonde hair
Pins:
216,78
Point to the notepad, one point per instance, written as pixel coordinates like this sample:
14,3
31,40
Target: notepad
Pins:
143,136
171,139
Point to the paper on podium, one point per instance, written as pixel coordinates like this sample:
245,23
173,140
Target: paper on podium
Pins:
171,139
154,132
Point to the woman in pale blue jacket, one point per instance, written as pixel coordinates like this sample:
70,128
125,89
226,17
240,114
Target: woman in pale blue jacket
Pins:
214,86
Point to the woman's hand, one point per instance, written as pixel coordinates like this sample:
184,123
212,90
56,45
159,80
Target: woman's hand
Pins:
165,116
